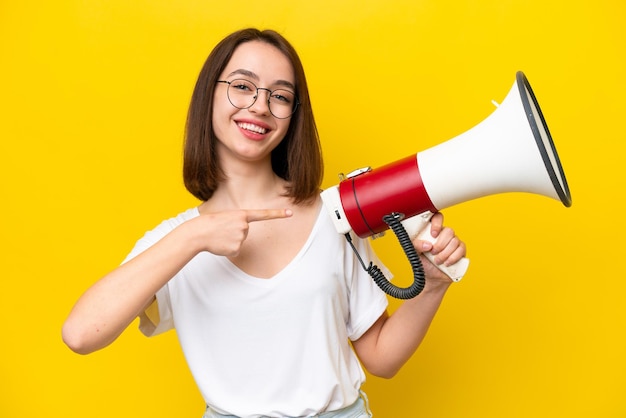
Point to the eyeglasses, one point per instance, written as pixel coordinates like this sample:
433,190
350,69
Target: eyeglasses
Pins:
242,94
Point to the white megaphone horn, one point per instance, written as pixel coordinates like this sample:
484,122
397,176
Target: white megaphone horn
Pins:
510,151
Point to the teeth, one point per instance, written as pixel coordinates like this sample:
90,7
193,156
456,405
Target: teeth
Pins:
252,127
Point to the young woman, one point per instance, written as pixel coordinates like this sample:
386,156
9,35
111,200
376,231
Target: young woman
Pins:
264,294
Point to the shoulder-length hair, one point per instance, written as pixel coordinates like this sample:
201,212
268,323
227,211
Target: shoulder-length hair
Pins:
298,157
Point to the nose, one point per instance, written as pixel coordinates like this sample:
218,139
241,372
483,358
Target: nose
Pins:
262,104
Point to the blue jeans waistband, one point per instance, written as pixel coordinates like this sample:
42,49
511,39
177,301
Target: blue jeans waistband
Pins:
359,409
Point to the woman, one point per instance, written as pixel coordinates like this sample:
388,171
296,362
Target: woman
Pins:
264,294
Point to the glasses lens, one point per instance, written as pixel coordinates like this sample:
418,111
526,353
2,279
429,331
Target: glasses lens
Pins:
282,103
242,93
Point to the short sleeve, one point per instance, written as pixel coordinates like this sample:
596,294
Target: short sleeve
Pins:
158,316
367,301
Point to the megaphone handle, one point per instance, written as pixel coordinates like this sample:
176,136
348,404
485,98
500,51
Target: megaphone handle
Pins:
419,227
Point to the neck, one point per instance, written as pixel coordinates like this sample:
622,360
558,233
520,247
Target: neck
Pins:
248,186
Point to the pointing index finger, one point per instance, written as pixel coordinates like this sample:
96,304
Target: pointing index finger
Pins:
267,214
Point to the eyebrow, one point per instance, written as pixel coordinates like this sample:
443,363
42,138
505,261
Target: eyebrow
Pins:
248,73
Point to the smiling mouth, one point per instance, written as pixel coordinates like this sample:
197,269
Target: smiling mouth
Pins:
252,127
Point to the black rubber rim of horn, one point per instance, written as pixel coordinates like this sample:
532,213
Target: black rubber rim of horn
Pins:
561,188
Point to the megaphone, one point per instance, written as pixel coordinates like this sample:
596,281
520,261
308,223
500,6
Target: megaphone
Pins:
510,151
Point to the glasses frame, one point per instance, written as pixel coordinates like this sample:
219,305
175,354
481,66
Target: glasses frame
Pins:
256,96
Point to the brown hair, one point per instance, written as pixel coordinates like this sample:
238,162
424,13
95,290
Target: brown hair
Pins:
298,157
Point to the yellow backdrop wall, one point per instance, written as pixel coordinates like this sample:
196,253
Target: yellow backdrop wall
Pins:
93,100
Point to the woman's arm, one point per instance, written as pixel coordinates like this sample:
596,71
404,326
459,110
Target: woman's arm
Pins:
106,309
392,339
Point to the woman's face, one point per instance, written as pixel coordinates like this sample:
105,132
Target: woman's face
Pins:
251,134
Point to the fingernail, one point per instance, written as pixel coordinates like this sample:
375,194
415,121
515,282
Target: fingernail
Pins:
288,212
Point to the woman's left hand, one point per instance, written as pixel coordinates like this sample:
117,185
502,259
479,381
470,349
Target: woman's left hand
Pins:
447,250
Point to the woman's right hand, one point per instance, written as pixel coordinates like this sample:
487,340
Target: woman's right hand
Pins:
223,233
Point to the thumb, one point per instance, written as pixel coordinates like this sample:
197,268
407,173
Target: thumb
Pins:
423,246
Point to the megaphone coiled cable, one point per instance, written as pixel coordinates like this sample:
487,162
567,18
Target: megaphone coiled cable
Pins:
394,222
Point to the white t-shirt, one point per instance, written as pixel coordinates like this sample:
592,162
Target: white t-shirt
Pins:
272,347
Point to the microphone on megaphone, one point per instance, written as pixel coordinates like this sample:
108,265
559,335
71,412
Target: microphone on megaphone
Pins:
510,151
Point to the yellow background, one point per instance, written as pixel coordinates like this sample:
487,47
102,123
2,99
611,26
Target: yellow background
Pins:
93,100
